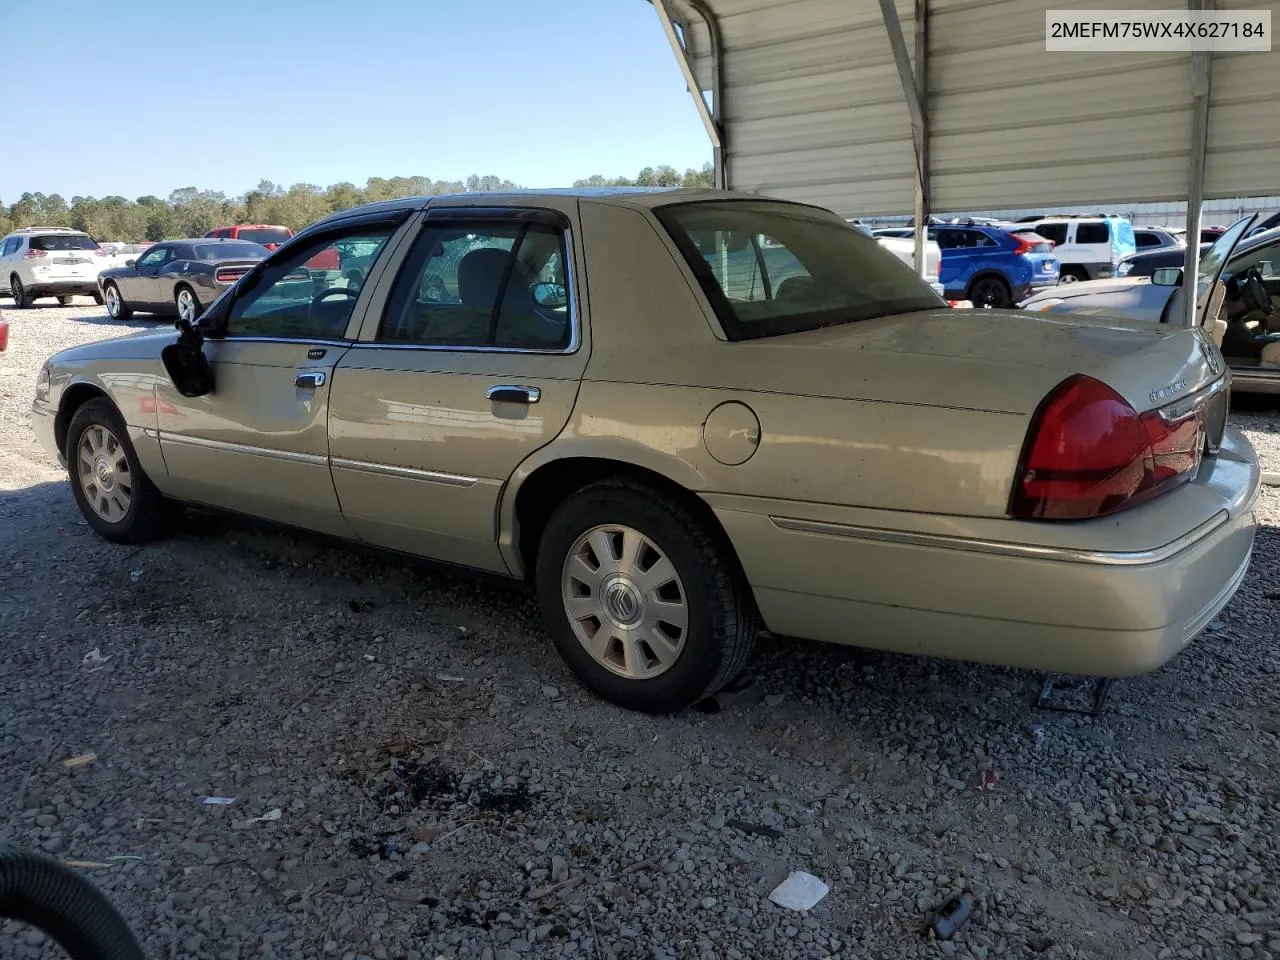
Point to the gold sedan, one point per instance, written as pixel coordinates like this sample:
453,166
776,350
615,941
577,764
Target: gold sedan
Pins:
686,416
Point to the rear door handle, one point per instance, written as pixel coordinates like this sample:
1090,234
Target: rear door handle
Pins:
514,393
309,379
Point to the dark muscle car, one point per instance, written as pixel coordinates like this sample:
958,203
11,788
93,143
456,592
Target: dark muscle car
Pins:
177,276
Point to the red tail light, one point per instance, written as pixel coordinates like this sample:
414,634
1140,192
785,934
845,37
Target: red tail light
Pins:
1089,453
229,274
4,334
34,254
100,252
1031,243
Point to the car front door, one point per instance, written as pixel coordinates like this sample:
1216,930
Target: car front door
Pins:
469,361
140,288
258,444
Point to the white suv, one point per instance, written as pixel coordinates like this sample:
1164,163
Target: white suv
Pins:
1088,248
50,262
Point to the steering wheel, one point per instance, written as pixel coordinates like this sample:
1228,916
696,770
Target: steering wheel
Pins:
1253,291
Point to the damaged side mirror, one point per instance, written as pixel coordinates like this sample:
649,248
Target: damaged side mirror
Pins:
186,364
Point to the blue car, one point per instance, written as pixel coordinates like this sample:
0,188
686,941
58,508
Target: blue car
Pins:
991,265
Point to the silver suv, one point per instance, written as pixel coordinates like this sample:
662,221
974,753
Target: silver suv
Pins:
50,262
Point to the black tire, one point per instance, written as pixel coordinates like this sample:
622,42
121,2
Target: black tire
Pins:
1072,275
149,514
722,623
21,299
123,311
990,292
65,301
40,891
97,297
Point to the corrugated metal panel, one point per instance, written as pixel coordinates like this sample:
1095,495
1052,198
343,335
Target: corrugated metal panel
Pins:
813,102
814,109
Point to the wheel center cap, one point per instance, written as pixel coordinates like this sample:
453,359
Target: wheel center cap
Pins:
106,474
623,603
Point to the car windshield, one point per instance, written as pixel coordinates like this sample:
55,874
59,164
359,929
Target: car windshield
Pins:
772,268
275,235
228,249
73,241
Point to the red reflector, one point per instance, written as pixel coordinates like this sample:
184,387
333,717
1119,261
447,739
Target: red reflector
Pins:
34,254
1089,454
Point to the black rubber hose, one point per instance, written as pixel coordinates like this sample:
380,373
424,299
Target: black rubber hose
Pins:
40,891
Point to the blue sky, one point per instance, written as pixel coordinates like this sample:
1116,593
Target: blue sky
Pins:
146,96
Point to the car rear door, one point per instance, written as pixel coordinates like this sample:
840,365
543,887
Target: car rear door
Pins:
470,360
259,443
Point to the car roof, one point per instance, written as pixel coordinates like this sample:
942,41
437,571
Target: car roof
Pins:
640,197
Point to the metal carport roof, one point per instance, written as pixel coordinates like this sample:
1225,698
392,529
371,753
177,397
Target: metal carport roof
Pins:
805,100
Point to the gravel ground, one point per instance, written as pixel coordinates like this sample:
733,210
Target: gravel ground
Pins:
414,774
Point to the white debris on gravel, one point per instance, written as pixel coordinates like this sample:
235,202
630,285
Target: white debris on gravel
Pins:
451,792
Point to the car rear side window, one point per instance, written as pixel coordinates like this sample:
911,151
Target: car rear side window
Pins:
482,284
770,268
287,301
1093,233
1057,232
56,242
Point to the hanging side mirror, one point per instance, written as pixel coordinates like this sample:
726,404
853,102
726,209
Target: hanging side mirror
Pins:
186,364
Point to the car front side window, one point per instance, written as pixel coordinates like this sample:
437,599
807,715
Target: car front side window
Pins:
286,300
153,257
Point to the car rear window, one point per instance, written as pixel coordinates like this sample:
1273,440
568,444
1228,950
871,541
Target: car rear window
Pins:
263,234
773,268
1093,233
228,249
55,241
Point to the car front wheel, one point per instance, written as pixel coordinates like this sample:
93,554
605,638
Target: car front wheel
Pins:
113,492
643,600
116,307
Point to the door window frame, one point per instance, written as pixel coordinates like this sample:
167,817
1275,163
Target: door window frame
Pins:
444,216
401,223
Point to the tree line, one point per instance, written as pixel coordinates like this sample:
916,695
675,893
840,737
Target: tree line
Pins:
191,212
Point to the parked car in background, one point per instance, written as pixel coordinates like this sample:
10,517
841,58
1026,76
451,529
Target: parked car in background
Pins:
4,333
57,262
118,254
683,415
177,277
904,248
267,234
1148,238
1087,248
1145,263
1246,323
993,266
1211,234
894,232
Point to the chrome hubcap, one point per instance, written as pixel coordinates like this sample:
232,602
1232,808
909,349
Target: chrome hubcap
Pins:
104,473
625,602
186,305
113,301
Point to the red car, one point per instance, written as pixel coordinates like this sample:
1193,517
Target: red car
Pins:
271,236
4,333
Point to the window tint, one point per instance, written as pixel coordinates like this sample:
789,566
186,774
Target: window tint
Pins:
772,268
1093,233
287,300
10,245
276,235
229,249
1057,232
63,242
496,284
1145,238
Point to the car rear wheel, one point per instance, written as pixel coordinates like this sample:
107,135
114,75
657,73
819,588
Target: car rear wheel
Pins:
116,307
110,487
21,299
1072,275
65,301
991,293
643,602
187,304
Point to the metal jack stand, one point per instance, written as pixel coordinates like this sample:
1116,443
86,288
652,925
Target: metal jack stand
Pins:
1101,689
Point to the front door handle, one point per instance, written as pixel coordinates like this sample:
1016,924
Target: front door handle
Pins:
309,379
514,393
